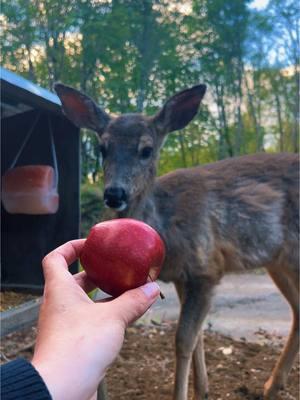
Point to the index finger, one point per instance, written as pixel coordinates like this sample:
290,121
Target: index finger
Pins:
63,256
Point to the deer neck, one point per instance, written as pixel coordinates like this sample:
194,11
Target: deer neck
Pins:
144,208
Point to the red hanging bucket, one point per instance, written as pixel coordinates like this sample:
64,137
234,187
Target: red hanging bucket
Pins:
31,189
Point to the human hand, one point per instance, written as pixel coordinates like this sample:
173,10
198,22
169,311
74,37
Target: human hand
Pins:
77,338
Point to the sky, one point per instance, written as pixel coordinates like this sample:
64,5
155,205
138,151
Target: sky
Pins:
259,4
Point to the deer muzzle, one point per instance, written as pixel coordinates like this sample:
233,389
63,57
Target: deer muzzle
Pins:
116,198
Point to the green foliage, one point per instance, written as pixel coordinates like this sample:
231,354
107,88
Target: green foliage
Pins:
130,55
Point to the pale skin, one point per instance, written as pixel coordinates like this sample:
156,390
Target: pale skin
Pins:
79,339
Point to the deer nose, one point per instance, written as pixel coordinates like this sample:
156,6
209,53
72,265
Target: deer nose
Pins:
115,197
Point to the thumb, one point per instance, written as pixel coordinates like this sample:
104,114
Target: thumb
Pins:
134,303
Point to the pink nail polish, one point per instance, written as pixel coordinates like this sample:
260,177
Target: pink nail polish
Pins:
150,289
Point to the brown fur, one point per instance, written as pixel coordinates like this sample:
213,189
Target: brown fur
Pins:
236,214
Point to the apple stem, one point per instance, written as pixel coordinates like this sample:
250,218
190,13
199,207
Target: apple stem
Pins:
162,296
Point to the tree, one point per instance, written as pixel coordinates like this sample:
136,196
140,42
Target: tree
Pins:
131,55
221,50
284,17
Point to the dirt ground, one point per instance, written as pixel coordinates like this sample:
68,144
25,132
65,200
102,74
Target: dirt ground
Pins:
145,367
10,299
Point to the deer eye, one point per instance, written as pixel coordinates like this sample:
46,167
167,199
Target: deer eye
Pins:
146,153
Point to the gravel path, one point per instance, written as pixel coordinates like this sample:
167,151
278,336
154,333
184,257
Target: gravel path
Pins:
246,305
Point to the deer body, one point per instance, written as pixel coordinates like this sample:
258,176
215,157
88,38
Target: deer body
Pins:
232,215
226,216
236,214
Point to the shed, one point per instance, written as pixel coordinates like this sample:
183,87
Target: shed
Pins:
26,239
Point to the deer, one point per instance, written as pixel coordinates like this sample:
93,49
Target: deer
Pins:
236,214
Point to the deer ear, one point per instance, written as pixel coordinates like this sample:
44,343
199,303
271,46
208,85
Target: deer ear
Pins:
81,109
179,110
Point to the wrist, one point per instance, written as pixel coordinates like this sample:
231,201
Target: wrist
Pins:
67,379
49,377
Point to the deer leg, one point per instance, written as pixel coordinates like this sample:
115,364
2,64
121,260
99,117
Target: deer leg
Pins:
199,369
289,287
199,366
195,301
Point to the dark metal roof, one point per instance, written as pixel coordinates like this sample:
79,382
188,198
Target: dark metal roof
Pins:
19,95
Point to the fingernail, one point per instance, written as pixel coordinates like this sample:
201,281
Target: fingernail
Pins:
150,289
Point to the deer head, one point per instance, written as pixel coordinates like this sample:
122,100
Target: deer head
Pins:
129,143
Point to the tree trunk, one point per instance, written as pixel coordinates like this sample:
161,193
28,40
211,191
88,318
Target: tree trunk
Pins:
239,131
296,111
31,72
225,146
182,149
279,118
294,49
239,140
258,141
145,66
50,71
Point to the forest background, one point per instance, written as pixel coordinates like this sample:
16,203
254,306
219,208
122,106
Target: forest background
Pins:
130,55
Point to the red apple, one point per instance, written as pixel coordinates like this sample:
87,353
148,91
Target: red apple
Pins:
122,254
